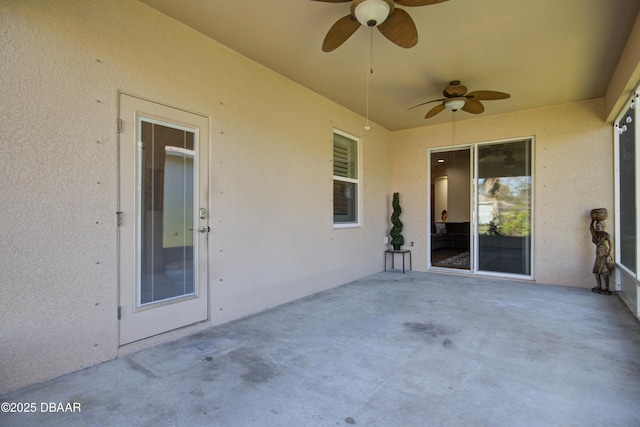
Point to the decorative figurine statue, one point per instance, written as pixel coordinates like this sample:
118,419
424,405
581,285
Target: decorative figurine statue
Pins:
604,262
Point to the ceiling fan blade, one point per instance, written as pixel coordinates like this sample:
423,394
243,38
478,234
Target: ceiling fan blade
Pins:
340,32
400,29
472,106
435,110
417,2
428,102
487,95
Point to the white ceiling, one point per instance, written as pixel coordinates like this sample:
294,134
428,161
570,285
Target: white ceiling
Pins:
542,52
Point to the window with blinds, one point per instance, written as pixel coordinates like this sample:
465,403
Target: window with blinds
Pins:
345,179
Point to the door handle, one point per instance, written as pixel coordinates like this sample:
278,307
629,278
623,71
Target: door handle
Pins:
204,230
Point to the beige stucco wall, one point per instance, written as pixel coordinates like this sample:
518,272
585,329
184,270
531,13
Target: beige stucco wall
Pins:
573,174
62,65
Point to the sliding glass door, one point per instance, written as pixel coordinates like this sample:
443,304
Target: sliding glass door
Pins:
481,208
503,207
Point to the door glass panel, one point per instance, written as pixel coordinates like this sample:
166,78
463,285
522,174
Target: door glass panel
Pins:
504,207
165,212
451,209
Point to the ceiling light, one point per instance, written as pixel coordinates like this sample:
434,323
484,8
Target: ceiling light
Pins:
372,13
454,104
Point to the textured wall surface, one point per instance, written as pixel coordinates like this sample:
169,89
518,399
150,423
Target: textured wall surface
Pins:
62,66
573,173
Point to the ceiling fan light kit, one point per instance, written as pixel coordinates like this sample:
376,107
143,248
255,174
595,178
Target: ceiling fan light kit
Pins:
372,13
455,104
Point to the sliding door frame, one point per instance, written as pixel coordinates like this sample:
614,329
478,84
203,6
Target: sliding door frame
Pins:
473,208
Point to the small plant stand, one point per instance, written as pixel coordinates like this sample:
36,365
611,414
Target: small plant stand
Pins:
393,253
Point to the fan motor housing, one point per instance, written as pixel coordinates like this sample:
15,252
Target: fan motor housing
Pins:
455,89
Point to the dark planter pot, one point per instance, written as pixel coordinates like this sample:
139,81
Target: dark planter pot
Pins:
396,247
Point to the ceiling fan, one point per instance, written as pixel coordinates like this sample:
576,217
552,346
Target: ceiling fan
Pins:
456,98
395,24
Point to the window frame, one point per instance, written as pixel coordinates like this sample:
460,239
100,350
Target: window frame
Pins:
356,181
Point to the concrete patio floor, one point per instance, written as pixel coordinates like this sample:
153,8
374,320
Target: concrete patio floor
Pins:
391,349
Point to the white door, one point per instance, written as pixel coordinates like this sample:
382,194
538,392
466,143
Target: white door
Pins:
163,226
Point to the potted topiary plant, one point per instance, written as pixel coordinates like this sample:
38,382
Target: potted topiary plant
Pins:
396,231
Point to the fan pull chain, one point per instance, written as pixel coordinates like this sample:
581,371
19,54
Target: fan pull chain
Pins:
369,73
453,128
453,137
370,50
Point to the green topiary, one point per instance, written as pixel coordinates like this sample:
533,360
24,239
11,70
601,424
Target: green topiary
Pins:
396,231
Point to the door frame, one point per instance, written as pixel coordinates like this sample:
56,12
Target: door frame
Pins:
473,200
137,321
